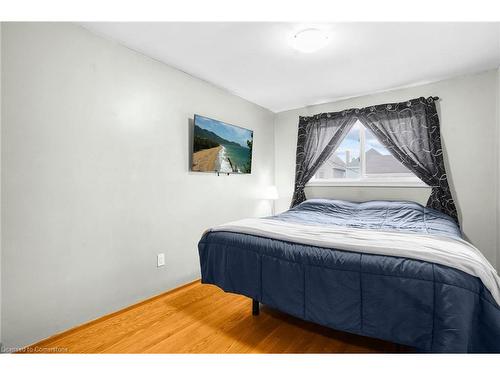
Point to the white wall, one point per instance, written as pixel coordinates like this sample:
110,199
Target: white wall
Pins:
95,177
468,121
362,194
0,187
498,169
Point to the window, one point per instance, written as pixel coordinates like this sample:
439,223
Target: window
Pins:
362,160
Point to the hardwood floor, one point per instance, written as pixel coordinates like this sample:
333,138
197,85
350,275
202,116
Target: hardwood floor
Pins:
200,318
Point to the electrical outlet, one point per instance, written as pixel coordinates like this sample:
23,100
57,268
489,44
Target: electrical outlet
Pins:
160,260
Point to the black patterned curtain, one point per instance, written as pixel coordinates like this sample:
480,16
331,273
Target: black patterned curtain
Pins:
318,137
410,131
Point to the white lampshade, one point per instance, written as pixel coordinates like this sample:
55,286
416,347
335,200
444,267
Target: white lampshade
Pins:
271,193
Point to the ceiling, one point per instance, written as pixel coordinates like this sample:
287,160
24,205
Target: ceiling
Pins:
256,62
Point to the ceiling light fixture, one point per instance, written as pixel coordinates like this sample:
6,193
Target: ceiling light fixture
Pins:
309,40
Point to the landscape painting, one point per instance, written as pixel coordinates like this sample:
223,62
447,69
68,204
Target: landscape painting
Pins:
220,147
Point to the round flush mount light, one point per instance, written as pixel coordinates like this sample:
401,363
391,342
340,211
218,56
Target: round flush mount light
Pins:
309,40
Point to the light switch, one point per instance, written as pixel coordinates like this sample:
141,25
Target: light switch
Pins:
160,261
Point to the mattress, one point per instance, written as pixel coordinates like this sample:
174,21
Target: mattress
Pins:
426,305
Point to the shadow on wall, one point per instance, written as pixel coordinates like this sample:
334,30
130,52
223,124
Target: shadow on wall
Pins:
190,145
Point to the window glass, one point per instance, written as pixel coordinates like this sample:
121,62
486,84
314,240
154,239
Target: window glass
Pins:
345,161
379,161
361,157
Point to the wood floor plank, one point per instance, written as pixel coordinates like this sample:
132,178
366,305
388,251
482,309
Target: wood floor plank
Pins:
167,326
143,320
203,319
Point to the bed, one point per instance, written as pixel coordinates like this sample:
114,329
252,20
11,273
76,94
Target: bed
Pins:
396,271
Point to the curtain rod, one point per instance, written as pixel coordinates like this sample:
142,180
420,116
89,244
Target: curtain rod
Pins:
434,98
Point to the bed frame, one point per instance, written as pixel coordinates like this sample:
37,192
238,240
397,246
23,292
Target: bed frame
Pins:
255,307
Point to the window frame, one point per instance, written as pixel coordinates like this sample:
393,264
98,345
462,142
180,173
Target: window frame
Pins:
381,180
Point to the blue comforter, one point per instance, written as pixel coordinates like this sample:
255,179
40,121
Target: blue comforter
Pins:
431,307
